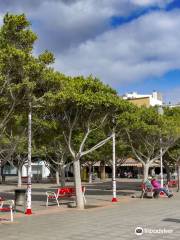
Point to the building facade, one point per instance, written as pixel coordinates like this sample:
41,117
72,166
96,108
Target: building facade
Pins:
154,99
39,170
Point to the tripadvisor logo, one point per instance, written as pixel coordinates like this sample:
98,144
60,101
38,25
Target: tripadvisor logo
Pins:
139,231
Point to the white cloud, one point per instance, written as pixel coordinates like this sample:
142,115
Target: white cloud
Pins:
62,24
84,42
146,47
66,25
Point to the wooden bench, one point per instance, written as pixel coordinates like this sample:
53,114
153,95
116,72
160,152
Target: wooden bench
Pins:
63,193
7,206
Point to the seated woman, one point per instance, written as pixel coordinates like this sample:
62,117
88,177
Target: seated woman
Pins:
148,183
157,187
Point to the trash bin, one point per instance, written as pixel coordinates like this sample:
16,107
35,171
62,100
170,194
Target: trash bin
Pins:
20,197
72,204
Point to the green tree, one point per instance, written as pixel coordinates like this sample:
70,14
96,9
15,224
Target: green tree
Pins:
172,156
83,106
50,146
16,43
144,130
21,74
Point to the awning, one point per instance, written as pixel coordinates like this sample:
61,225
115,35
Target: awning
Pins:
131,165
134,163
130,162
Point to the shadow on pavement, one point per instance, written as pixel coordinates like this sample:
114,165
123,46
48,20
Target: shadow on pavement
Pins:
171,220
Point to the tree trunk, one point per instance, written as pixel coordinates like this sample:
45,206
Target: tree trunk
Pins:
102,171
67,174
146,171
167,172
19,177
78,186
63,182
3,179
90,174
57,177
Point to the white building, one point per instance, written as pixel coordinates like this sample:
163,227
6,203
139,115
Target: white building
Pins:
39,169
154,99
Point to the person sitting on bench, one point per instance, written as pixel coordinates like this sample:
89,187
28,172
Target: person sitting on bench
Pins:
157,187
148,183
149,187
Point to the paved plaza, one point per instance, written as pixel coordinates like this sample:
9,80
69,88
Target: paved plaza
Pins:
101,220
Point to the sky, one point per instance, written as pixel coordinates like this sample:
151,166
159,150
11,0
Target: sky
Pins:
132,45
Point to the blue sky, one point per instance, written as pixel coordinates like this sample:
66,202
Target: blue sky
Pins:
146,9
168,81
133,45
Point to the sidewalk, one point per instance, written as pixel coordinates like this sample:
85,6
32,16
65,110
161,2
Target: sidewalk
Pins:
107,221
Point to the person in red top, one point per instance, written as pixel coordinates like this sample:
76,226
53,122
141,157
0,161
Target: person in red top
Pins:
157,187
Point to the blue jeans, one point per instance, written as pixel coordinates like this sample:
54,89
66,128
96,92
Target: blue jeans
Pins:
165,190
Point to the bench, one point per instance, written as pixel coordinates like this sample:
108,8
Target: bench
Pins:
172,183
7,206
152,192
147,191
64,192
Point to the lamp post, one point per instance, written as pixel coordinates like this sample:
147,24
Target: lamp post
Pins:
28,202
114,199
178,179
161,112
